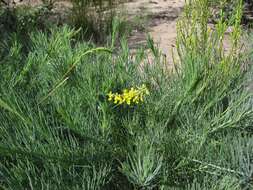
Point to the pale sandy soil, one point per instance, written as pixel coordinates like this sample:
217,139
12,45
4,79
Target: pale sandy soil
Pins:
162,18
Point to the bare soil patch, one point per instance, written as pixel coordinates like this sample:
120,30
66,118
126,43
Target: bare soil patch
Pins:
162,18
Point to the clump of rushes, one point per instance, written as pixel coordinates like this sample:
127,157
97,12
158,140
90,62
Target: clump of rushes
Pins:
129,96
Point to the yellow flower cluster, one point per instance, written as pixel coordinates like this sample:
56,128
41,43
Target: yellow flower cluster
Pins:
129,96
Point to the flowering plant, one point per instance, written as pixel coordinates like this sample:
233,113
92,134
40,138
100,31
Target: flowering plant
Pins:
129,96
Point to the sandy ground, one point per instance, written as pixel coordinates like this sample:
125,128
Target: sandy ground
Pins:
161,25
162,16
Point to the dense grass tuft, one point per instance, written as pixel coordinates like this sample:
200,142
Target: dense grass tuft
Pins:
58,130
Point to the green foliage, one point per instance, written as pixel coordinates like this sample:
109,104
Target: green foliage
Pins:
24,19
16,24
94,17
229,7
143,164
59,131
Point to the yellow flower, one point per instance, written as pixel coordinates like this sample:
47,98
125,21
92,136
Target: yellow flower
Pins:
125,91
117,98
132,96
128,101
110,96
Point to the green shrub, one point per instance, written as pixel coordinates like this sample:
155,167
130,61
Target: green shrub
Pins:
94,17
229,6
16,24
58,130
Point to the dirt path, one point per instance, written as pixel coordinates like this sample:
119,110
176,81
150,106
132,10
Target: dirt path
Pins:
162,17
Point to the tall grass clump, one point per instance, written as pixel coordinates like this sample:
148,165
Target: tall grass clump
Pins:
77,116
228,7
94,17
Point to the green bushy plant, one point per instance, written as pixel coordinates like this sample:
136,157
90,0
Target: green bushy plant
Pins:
18,22
58,129
228,7
94,17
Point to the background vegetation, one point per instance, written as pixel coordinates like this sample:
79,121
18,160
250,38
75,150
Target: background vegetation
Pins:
193,132
94,17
